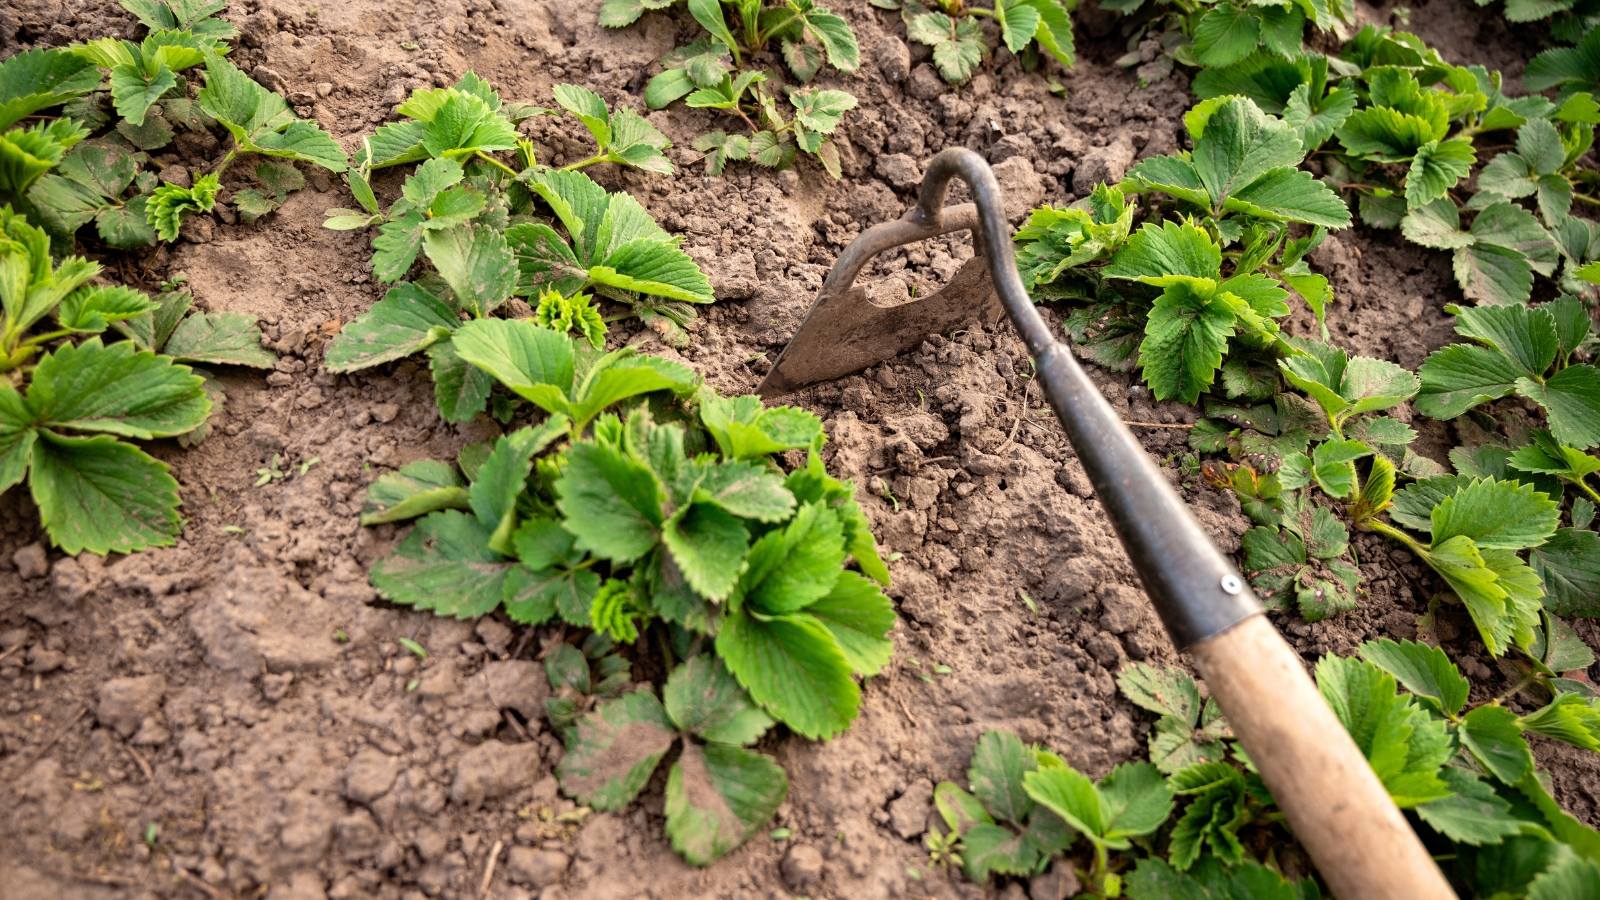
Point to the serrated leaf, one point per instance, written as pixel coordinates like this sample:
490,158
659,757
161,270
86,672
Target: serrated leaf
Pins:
552,579
589,108
1569,566
1164,254
1424,671
1492,734
100,494
1572,878
792,667
1473,814
860,617
612,503
445,565
1435,169
1184,341
650,266
416,489
1571,399
1436,224
790,568
501,479
1166,692
115,389
1496,515
39,78
406,320
704,699
708,545
1132,800
1292,195
460,389
1492,274
1569,718
477,264
1404,746
91,309
1461,376
220,338
1225,35
535,362
168,205
614,750
999,764
718,797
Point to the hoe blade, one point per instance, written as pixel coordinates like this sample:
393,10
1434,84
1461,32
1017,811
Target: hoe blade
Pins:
846,332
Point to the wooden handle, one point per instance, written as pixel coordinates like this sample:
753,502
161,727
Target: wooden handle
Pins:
1340,812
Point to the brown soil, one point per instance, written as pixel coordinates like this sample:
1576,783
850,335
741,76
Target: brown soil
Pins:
201,689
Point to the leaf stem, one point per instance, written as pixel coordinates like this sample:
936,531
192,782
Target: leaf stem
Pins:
597,158
40,339
1584,484
1394,533
496,163
1585,198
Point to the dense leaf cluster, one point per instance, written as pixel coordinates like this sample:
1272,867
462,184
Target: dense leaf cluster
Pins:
669,518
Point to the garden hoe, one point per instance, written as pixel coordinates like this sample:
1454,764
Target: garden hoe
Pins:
1339,810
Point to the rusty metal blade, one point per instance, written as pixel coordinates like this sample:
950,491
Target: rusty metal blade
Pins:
847,332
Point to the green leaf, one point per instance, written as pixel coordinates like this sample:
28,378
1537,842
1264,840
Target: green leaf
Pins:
1571,399
169,205
445,565
477,264
999,763
1226,35
500,480
1492,274
35,79
553,579
957,44
1569,566
220,338
417,489
611,502
17,437
261,121
650,266
1570,879
535,362
1184,341
460,389
1018,21
1292,195
718,797
834,33
704,699
1166,254
1132,800
1424,671
792,666
91,309
622,374
1569,718
860,617
1436,168
1404,746
133,92
1461,376
1473,814
1496,515
115,389
1495,738
708,545
100,494
1526,335
614,750
406,320
791,568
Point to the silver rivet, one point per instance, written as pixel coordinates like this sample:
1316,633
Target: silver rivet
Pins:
1231,584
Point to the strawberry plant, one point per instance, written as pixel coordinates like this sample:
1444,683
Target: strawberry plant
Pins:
1518,350
1218,36
670,519
1000,828
64,407
458,222
644,498
1239,185
464,123
719,794
808,34
1028,28
104,180
581,676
